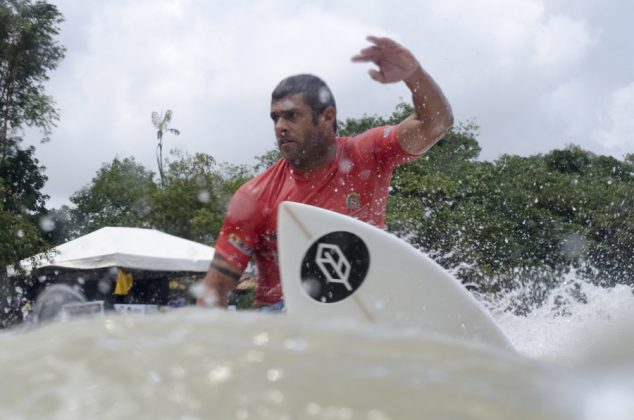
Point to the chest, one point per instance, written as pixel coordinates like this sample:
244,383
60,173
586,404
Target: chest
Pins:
355,190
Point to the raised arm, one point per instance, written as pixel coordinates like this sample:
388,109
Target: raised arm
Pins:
432,116
221,279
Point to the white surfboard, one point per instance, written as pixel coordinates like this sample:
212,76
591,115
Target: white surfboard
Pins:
335,266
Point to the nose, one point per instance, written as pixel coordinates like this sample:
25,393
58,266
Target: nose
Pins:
281,125
281,128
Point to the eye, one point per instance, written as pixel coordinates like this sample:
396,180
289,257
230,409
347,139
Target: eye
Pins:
275,117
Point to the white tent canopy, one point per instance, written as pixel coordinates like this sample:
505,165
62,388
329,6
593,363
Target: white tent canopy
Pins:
131,248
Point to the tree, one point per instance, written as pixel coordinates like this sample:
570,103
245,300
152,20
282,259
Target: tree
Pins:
21,206
193,200
353,126
57,226
161,122
118,195
28,52
190,204
22,179
267,159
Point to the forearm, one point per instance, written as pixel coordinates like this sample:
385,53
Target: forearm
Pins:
430,104
432,116
221,279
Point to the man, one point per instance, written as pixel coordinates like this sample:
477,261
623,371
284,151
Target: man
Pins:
347,175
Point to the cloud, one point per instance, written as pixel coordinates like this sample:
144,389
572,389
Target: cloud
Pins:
560,44
617,122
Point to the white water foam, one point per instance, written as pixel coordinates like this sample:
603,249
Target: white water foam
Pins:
577,320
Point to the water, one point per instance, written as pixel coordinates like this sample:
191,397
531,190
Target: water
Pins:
576,363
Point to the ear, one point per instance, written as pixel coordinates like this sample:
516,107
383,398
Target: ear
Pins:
329,116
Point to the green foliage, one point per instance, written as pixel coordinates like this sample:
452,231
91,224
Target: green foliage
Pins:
21,181
193,200
518,220
353,126
234,176
28,51
57,226
190,203
267,159
245,300
119,195
21,205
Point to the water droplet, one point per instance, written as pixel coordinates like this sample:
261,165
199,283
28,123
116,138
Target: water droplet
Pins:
324,95
219,374
261,339
103,286
345,166
204,196
312,287
274,375
47,224
313,409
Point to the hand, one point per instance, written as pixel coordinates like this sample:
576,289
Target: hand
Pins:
395,62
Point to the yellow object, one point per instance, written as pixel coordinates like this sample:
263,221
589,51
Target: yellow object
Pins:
124,283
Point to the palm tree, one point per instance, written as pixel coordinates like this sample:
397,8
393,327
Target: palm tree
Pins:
161,122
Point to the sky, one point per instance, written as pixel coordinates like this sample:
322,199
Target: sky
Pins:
533,75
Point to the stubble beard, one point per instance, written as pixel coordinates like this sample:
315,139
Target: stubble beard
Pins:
313,152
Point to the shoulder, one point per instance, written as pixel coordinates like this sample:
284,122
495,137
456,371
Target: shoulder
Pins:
261,183
375,134
371,140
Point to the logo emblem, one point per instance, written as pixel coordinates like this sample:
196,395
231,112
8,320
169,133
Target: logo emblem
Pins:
335,266
239,244
353,201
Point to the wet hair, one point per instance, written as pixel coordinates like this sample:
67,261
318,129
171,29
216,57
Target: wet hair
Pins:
316,92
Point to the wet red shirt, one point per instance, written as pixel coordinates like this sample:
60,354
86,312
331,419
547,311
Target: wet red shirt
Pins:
356,183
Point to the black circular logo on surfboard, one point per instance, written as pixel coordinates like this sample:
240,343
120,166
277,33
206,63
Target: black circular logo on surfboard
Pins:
335,266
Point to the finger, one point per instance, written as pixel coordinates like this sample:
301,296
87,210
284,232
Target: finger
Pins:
377,75
368,54
376,54
371,50
382,41
361,59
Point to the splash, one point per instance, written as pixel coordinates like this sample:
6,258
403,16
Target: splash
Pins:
574,321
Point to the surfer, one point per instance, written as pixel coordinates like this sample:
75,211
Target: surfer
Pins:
346,175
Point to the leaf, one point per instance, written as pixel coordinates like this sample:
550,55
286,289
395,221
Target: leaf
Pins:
156,119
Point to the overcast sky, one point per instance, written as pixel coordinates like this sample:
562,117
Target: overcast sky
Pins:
534,75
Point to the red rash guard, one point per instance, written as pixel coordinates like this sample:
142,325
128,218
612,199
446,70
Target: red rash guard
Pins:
356,183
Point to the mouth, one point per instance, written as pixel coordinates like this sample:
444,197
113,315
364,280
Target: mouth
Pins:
288,146
286,140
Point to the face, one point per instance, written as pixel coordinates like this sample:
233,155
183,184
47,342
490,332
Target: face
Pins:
304,143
